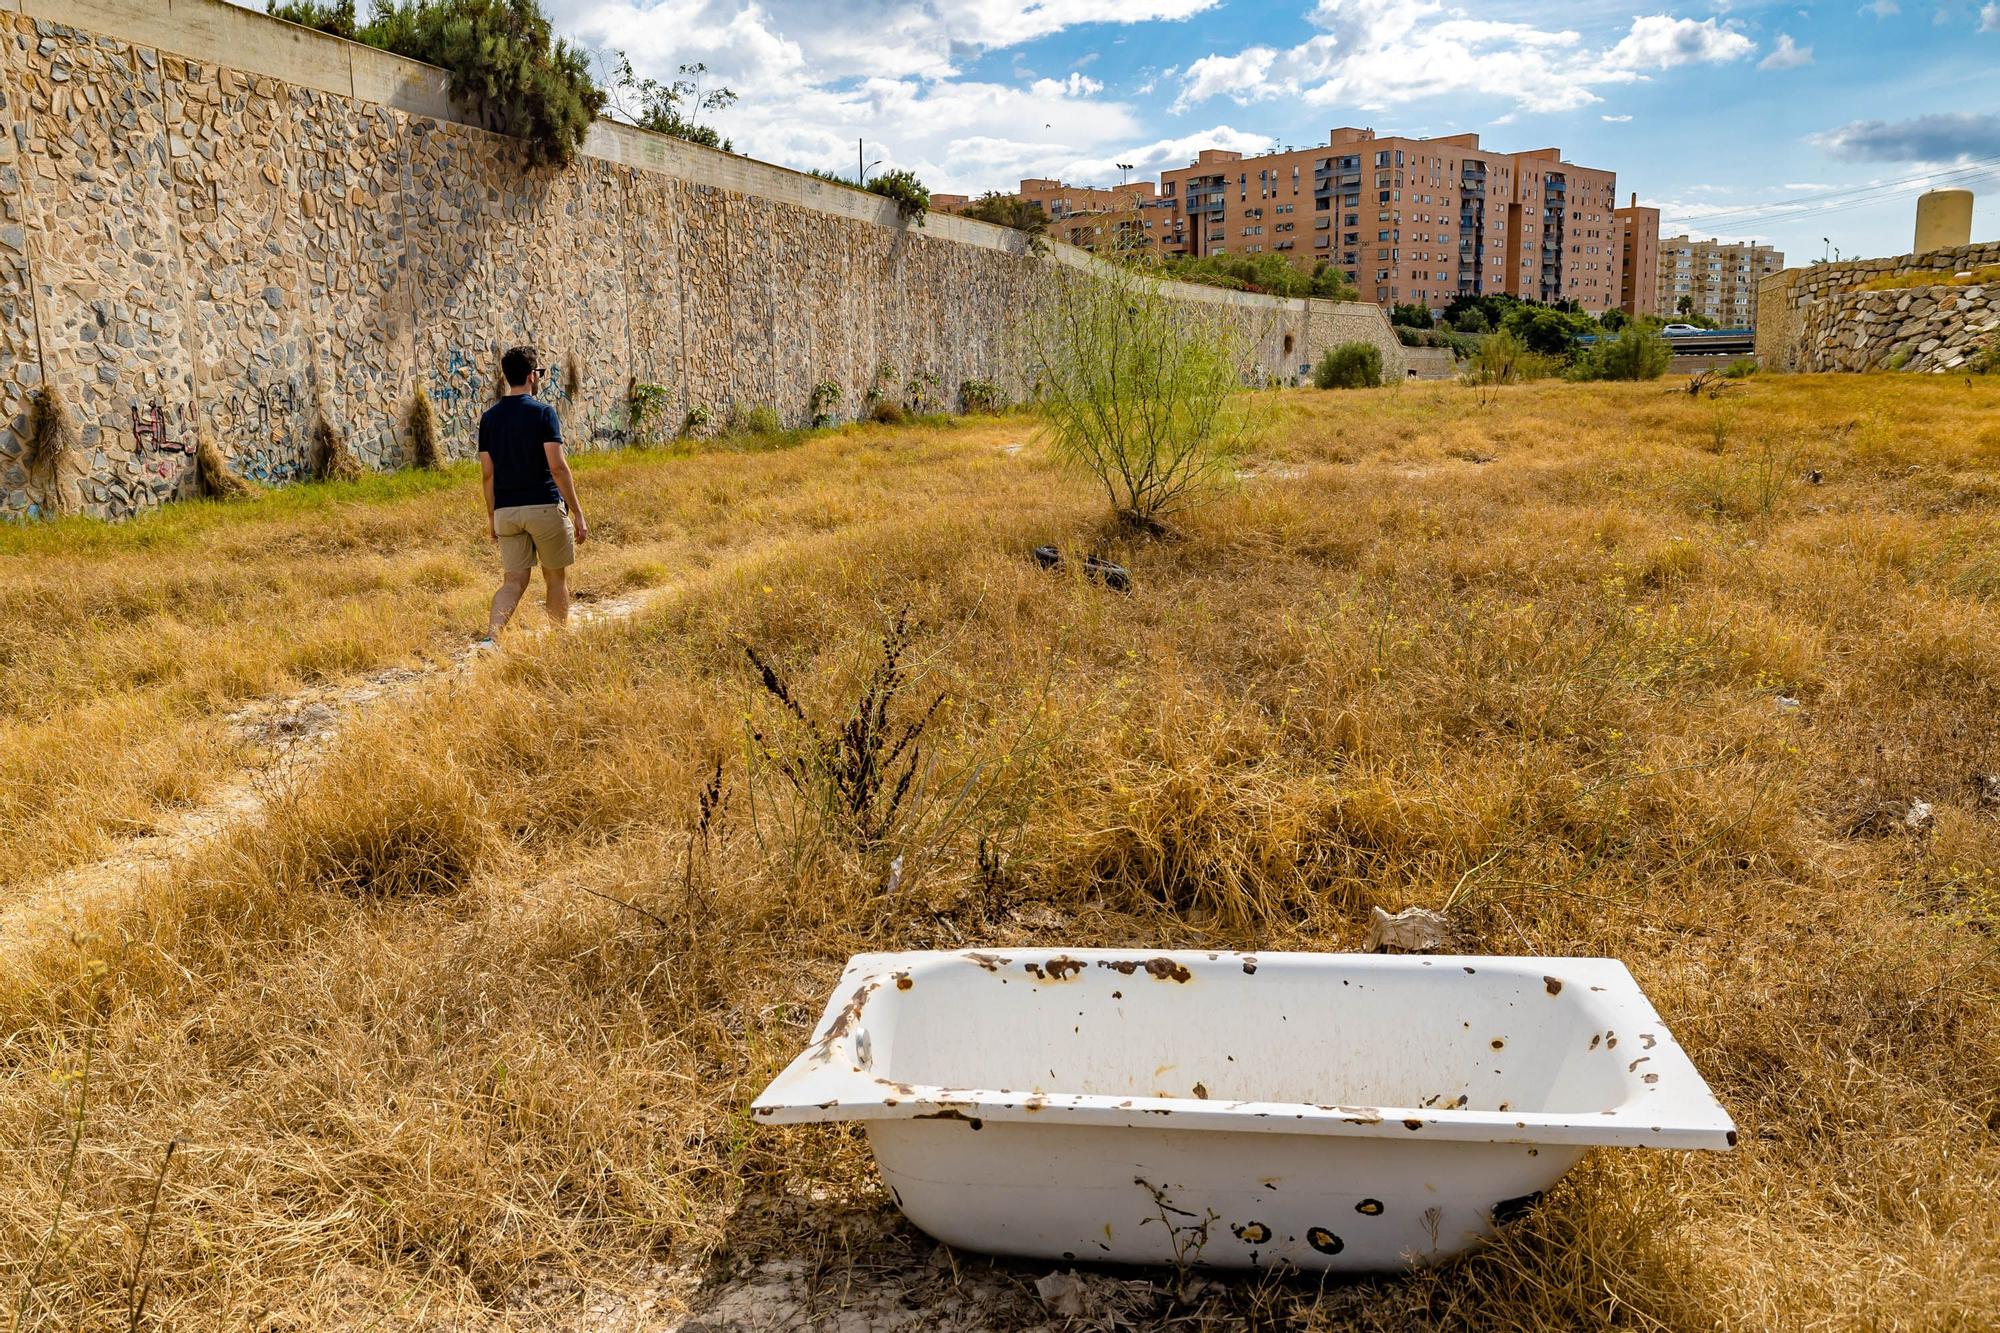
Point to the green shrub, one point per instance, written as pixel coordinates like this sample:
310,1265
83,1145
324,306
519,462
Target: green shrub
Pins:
1472,320
980,396
1503,358
1411,315
1639,353
1742,368
911,198
645,405
1355,365
758,420
697,419
825,395
1986,361
1139,390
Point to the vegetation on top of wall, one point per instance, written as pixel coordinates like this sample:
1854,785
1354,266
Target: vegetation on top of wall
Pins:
1270,274
502,57
1411,314
1978,277
908,193
1461,344
672,108
1011,210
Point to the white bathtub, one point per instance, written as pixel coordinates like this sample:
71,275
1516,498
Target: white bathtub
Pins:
1326,1111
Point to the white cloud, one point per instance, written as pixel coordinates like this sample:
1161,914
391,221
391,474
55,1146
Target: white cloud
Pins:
1615,120
813,77
1375,54
1881,9
1989,18
1787,54
1076,85
1659,42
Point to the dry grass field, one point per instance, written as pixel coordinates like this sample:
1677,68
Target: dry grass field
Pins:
461,1030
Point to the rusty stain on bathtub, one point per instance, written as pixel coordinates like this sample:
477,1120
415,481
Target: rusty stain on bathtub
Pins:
1252,1233
952,1113
1324,1241
1553,985
1369,1207
988,961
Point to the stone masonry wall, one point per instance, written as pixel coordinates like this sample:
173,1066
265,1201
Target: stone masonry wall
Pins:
1933,328
212,220
1793,328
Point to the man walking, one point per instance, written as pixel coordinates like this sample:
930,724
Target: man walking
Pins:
531,508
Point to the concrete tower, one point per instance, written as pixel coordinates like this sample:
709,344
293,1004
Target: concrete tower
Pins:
1944,220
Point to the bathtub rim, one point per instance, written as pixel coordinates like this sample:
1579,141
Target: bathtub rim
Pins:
830,1080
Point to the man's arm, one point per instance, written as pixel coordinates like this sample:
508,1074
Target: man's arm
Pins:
486,483
559,469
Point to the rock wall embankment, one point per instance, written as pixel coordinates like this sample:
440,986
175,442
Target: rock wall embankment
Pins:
214,221
1813,318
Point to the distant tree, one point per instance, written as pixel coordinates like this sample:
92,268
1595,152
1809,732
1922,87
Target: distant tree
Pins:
1543,331
1331,284
1685,305
1471,320
1411,315
674,108
330,16
1612,320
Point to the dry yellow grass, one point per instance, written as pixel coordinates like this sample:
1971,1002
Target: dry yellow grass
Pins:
482,1000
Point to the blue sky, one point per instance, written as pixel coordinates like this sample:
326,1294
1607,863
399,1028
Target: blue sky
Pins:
1784,122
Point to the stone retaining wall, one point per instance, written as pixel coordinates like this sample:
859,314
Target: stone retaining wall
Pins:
1911,328
1792,329
213,220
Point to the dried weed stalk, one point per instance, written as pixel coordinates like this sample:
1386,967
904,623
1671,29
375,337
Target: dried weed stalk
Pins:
426,450
213,476
332,459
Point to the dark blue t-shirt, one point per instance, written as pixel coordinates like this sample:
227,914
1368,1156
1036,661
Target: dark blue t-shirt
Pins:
513,431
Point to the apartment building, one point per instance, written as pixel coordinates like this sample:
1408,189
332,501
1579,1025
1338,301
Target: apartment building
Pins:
1409,220
1717,278
1639,259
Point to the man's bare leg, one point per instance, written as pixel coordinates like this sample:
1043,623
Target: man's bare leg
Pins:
505,600
558,586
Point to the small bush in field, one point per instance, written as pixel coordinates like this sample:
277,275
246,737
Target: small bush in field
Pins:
1355,365
1139,391
1640,352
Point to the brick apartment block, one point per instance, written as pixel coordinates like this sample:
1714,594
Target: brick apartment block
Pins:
1408,220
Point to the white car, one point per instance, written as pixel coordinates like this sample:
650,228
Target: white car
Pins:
1676,330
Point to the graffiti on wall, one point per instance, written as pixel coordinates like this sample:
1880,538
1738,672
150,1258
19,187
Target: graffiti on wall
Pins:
265,427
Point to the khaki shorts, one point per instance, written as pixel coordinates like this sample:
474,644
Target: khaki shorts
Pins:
531,534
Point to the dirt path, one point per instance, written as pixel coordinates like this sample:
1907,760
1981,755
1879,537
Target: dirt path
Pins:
283,737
